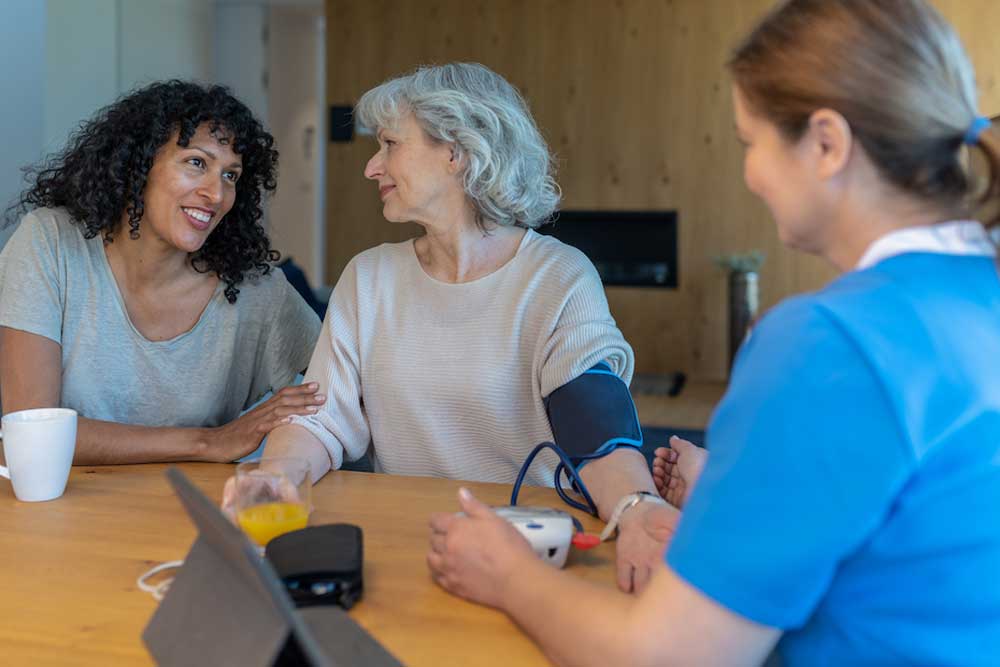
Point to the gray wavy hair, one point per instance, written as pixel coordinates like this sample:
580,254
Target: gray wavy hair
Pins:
509,171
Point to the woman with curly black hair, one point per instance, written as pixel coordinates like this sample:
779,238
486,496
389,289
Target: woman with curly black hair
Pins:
138,288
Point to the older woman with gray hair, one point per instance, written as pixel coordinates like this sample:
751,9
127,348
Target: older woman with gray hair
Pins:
440,356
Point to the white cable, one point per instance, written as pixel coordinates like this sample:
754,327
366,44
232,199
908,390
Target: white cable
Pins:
160,589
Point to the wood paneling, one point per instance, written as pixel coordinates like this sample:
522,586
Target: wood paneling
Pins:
633,97
976,22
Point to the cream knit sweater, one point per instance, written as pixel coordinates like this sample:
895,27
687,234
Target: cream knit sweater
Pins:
448,380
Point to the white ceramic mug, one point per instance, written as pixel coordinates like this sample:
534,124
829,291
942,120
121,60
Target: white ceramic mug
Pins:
38,447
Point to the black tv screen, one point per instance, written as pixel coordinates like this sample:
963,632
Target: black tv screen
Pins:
629,248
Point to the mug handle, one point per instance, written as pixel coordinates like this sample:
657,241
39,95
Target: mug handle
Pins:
3,469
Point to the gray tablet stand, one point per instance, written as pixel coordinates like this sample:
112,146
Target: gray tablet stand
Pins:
227,607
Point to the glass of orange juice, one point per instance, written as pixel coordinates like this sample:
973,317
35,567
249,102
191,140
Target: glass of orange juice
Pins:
272,497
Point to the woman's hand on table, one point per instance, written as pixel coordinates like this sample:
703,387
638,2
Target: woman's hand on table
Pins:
243,435
474,556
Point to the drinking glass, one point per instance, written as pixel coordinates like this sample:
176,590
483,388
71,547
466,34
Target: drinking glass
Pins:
272,497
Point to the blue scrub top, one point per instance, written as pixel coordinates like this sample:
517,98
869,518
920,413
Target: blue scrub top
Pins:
852,493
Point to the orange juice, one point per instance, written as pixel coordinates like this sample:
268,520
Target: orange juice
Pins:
265,522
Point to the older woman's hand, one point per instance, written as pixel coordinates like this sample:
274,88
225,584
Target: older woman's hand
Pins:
474,556
645,532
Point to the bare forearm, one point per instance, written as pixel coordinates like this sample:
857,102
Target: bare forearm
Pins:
293,440
669,623
618,474
109,443
481,557
30,377
574,622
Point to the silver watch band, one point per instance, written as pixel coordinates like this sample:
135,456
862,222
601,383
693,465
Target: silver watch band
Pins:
626,503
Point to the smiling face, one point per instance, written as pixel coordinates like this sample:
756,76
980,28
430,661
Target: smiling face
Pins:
190,189
782,175
417,176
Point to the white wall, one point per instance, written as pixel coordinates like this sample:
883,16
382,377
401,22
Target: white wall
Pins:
81,64
165,39
241,53
22,92
95,50
295,56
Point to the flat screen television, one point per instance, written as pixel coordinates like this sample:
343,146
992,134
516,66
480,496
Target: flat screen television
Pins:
629,248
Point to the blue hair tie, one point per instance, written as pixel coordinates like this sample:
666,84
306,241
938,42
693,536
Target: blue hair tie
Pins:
979,125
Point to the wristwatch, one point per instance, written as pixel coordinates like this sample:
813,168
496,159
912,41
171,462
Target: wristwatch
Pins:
626,503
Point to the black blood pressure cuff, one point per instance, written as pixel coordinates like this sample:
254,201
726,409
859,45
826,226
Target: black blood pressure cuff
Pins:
593,415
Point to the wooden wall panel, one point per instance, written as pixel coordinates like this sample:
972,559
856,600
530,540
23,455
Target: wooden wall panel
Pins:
634,100
976,22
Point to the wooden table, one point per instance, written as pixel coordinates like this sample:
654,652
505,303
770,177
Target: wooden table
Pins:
68,567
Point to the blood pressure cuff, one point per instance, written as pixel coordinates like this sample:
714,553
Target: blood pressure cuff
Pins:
593,415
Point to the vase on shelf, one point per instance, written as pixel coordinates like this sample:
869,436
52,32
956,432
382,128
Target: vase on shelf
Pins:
744,300
744,296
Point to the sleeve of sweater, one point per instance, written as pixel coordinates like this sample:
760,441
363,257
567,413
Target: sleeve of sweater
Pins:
584,332
341,424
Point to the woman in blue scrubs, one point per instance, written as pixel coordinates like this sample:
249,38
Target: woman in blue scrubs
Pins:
849,512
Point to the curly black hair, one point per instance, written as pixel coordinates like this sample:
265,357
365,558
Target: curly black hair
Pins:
102,172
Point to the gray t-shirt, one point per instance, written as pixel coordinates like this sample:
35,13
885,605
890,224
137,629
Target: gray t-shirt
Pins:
58,284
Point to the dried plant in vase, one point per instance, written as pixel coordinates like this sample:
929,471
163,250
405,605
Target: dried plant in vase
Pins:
748,262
